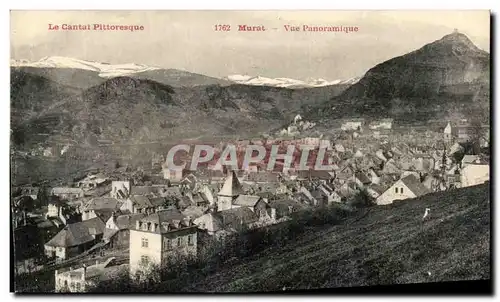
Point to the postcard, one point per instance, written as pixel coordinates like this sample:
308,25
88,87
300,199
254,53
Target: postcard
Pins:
250,151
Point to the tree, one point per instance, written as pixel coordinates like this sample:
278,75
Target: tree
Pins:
477,133
362,199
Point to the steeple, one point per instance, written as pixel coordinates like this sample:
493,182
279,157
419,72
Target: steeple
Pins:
229,192
232,186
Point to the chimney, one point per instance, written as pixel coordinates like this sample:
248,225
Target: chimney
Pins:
137,225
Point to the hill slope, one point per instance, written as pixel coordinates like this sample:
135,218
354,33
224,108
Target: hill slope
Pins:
387,245
131,110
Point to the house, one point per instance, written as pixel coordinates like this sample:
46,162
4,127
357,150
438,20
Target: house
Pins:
462,131
254,203
423,162
448,133
117,232
381,124
352,125
332,196
79,280
75,238
452,178
408,187
309,198
238,219
160,238
373,176
120,189
475,173
339,147
375,190
469,159
208,194
361,179
284,208
433,183
410,172
30,191
189,182
348,190
320,196
263,177
138,204
193,212
346,172
211,223
54,206
283,189
391,167
310,141
174,175
92,181
27,247
321,175
455,148
67,193
60,212
100,207
380,154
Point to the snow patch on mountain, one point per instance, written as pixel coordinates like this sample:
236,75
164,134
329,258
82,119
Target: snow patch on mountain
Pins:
286,82
105,70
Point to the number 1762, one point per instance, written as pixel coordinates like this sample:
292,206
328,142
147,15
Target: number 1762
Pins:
220,27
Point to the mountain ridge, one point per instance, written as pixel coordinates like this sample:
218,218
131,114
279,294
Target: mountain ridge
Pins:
167,76
448,74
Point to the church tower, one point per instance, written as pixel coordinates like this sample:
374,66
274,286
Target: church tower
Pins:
229,192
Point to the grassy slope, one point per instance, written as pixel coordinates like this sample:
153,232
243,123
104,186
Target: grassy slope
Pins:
389,245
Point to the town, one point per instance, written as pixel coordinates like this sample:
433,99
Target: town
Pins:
124,220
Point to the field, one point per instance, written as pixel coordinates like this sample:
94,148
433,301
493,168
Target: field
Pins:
390,245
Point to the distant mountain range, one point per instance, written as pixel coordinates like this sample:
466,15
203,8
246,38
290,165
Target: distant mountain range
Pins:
286,82
99,72
61,99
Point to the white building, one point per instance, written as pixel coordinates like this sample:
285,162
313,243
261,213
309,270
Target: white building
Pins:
475,173
381,124
352,125
310,141
408,187
67,193
92,181
448,132
79,280
159,238
120,189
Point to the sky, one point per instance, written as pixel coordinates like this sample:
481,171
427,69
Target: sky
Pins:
187,40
